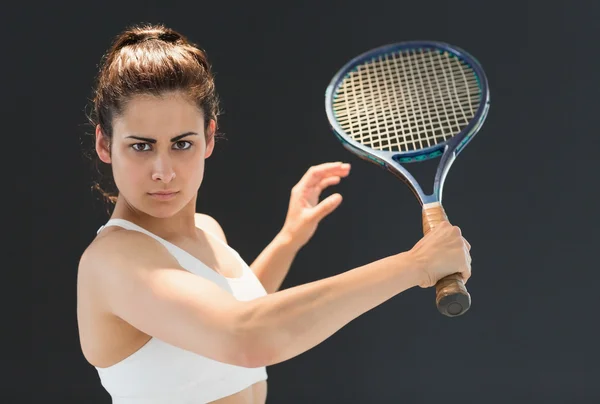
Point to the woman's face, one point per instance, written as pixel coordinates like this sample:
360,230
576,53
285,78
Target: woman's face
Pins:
157,153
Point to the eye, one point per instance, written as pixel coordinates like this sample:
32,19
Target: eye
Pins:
182,145
140,147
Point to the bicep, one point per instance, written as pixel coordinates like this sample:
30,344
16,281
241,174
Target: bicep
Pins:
144,285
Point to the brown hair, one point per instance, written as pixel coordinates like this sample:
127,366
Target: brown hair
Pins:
148,59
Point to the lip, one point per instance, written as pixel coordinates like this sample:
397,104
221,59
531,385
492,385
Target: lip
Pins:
163,195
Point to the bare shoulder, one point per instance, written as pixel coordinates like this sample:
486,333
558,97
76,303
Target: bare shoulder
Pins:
208,223
119,248
116,241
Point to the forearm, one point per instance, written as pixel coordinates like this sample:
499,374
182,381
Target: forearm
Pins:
273,264
287,323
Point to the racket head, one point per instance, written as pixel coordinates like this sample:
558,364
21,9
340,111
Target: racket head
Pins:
408,102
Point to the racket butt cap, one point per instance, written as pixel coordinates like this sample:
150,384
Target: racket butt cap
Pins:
454,305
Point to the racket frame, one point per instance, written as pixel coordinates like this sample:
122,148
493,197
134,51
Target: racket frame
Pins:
392,160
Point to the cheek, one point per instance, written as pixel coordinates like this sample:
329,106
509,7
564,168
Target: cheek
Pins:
128,171
195,171
190,175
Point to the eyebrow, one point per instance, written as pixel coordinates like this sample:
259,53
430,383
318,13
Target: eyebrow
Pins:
150,140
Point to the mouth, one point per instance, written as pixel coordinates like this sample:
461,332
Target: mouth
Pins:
163,195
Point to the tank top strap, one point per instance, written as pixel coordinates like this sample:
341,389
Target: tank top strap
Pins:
126,224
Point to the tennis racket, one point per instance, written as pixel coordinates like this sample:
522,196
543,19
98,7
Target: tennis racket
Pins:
406,103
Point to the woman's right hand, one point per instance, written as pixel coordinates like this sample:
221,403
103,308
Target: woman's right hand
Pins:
443,251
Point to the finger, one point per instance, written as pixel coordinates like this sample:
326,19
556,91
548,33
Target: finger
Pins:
466,249
467,244
316,173
466,273
326,206
328,181
465,276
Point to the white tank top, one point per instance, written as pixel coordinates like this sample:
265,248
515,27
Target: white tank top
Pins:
165,374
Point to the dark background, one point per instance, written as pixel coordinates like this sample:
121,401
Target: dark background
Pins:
524,193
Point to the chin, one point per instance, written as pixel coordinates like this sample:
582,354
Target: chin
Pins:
163,209
163,212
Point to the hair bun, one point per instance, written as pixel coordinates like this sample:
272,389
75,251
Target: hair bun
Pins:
142,34
170,36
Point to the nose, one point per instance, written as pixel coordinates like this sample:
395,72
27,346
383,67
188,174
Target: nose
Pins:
162,170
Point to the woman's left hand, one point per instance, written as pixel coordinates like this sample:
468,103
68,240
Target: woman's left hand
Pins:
305,212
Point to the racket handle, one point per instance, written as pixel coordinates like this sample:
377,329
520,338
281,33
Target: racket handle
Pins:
452,298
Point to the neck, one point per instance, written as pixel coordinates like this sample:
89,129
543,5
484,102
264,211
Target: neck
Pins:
181,224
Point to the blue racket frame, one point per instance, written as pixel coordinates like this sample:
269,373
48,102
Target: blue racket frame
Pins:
392,161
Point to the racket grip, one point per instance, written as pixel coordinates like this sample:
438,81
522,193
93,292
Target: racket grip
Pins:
451,296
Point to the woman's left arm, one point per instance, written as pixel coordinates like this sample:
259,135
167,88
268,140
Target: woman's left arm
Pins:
303,216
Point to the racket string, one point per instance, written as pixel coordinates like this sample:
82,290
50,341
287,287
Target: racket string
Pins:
407,100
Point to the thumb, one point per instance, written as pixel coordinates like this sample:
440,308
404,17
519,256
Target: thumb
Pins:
326,206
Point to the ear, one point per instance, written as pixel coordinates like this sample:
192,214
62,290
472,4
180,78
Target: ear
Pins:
102,146
210,135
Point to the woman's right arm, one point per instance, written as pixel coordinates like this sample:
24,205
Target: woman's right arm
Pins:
144,285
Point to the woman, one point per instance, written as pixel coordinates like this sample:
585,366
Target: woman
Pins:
167,311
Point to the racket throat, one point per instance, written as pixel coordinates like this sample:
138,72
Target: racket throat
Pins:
420,175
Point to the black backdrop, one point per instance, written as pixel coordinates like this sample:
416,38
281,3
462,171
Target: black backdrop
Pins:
523,193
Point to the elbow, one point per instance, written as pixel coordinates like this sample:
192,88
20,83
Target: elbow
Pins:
254,356
255,345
